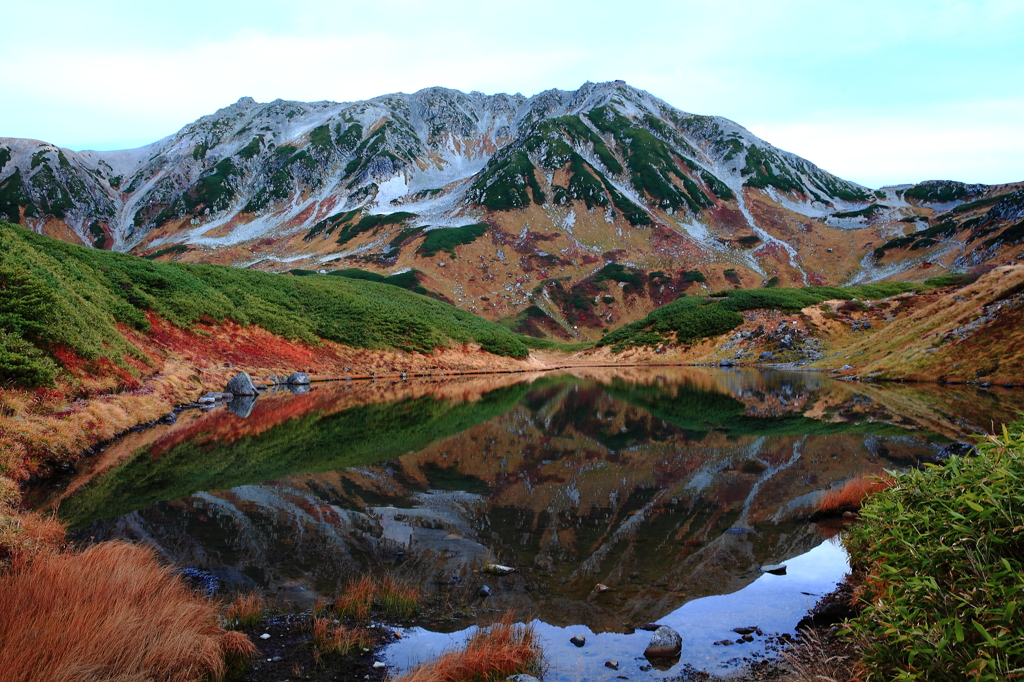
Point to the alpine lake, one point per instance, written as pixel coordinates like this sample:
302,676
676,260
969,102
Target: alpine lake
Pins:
620,496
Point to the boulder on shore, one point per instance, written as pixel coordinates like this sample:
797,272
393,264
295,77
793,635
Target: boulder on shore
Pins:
241,384
298,378
666,643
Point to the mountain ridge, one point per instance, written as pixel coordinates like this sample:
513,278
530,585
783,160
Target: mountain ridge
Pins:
563,183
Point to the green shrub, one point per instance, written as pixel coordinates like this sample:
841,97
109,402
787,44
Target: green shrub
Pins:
22,364
446,239
941,551
58,294
688,317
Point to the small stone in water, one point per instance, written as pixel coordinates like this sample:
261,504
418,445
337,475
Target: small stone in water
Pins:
614,665
774,569
578,640
600,587
744,631
265,635
378,664
485,591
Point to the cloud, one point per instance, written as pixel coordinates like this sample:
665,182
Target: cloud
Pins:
976,141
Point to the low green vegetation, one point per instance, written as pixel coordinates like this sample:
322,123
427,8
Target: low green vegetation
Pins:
866,212
371,222
953,279
688,318
943,572
691,318
447,238
57,294
1010,235
503,185
403,280
167,251
652,163
618,273
768,170
13,198
921,239
939,191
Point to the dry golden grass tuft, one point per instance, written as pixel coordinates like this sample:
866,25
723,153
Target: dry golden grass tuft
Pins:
493,653
111,612
391,596
814,660
338,639
245,610
851,495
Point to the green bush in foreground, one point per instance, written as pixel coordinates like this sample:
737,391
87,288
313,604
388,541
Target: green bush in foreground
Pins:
942,552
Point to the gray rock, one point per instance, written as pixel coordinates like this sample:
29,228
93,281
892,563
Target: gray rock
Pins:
226,396
242,405
298,378
578,640
767,355
726,363
241,384
744,631
274,379
522,678
665,643
208,398
774,569
649,627
484,591
845,367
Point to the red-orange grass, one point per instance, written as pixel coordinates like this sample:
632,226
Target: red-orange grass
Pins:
850,496
111,612
494,653
338,639
245,610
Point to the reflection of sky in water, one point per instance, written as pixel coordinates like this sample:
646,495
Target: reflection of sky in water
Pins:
773,603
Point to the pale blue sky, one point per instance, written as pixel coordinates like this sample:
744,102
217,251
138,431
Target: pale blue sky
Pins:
878,92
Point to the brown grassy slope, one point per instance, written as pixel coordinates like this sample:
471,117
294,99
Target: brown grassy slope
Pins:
108,613
975,333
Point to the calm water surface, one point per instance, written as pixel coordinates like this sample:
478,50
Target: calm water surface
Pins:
669,486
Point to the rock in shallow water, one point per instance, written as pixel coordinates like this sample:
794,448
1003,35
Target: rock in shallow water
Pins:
241,384
298,378
578,640
666,643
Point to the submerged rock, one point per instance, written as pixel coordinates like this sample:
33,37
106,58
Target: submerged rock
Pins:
241,384
666,643
298,378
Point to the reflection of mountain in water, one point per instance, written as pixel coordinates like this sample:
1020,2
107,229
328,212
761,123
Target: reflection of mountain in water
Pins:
665,489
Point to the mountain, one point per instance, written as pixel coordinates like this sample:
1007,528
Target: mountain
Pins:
562,214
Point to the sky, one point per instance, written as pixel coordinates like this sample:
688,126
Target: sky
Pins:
878,92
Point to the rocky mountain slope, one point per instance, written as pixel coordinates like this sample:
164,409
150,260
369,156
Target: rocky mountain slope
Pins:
565,213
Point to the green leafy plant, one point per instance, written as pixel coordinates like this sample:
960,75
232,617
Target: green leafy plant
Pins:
943,570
